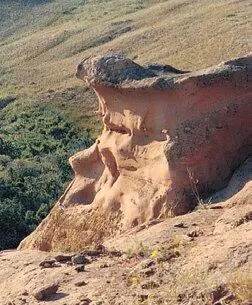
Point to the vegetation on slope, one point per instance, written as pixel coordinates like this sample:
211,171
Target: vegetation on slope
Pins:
42,41
35,143
41,44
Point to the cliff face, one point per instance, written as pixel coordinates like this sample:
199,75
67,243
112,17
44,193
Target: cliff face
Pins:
170,139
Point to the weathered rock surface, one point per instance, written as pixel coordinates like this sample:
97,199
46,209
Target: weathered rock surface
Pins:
80,259
160,261
46,291
170,139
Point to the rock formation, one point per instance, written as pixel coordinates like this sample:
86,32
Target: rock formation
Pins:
170,139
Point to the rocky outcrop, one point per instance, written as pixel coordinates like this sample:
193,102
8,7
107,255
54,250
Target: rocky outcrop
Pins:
170,139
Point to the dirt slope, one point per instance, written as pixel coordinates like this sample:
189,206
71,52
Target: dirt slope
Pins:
200,258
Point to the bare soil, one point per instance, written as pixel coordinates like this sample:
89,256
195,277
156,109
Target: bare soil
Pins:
200,258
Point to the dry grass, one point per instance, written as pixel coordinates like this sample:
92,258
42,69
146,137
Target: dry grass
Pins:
41,44
44,48
137,249
240,283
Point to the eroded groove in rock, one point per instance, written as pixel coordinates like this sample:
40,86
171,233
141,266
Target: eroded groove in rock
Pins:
170,138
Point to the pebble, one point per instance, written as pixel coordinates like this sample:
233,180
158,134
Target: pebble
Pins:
85,301
147,263
195,233
147,272
49,263
63,258
115,253
80,283
180,225
45,291
80,259
143,297
149,285
104,265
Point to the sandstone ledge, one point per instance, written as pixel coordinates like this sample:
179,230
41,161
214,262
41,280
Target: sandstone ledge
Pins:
116,71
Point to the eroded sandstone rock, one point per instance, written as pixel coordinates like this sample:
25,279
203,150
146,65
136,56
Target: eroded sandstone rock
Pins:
170,138
46,291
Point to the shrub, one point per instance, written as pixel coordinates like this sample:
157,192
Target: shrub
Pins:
35,143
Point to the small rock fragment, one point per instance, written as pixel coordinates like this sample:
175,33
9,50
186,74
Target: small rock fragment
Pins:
80,268
80,283
48,263
147,263
115,253
147,272
80,259
195,233
104,265
92,252
187,129
66,273
216,207
180,225
140,228
100,248
45,291
143,297
149,285
63,258
85,301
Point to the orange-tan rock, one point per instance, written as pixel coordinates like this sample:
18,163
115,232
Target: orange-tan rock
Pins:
170,139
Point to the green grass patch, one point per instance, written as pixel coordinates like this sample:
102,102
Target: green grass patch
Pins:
35,143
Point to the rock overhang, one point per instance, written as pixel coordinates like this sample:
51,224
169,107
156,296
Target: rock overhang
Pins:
105,71
170,138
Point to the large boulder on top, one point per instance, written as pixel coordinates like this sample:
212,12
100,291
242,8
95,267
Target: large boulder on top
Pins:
170,139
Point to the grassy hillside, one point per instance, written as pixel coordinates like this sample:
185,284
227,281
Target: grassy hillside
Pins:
42,41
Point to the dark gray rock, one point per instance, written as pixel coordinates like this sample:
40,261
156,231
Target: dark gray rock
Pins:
80,259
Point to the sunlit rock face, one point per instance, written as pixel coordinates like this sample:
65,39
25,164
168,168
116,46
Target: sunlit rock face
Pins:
170,138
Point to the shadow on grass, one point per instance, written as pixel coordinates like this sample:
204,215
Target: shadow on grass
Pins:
35,2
